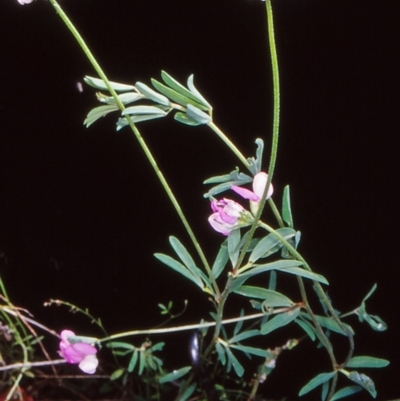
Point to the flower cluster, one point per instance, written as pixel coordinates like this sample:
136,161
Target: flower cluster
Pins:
78,352
229,215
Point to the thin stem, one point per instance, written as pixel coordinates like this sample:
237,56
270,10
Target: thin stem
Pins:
230,144
138,136
28,365
276,213
275,131
324,339
185,327
276,93
333,387
318,288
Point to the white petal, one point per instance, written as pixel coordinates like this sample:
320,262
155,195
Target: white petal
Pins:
89,364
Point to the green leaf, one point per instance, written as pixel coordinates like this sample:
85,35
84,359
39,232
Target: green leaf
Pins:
175,375
279,321
250,350
142,362
188,392
233,246
286,207
270,244
183,118
367,362
123,122
330,324
157,347
99,112
305,274
294,242
182,253
255,163
237,282
220,261
99,84
198,96
272,280
235,363
188,261
152,94
244,335
316,381
175,96
324,392
132,362
179,267
371,291
124,98
233,176
117,373
225,182
221,353
147,110
277,265
196,114
364,381
271,298
120,344
307,328
375,322
345,392
176,86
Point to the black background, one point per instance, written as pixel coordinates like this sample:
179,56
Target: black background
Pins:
81,212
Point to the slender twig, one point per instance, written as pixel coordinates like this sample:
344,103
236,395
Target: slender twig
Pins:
29,365
140,139
192,326
275,129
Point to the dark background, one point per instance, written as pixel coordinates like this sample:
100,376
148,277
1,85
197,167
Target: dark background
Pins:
81,212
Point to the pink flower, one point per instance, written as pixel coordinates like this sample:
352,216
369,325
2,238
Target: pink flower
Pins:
78,352
228,215
259,183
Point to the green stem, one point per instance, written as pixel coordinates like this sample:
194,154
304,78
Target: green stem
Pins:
318,288
333,387
324,339
276,93
184,328
276,213
138,136
275,132
230,144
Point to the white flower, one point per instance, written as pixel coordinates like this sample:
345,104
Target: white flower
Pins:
24,1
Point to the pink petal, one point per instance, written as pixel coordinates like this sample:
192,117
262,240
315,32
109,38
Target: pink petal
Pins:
84,348
65,334
218,225
71,355
245,193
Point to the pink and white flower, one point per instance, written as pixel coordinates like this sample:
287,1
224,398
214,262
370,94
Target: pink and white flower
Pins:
259,183
228,215
80,352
